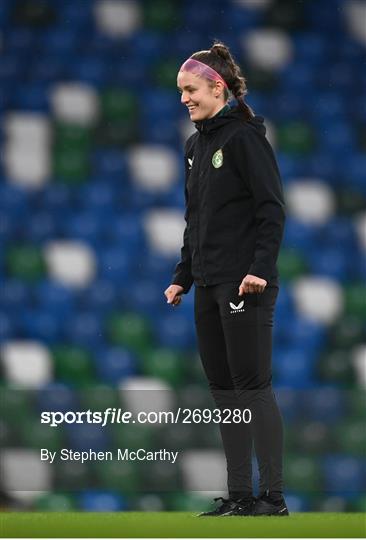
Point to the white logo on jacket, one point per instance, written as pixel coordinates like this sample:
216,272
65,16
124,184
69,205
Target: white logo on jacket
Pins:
238,308
190,161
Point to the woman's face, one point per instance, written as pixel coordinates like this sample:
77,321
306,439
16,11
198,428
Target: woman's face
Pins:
202,100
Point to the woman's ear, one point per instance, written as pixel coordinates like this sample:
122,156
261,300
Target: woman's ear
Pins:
219,88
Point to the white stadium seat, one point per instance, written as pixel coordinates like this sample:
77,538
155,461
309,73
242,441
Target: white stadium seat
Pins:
118,18
75,103
72,263
318,298
268,48
310,200
203,470
26,363
164,229
153,167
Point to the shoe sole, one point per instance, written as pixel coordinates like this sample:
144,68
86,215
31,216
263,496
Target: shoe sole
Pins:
280,513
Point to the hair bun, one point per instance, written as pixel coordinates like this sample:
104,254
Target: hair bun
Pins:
220,50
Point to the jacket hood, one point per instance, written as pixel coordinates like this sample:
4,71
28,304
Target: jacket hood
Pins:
212,124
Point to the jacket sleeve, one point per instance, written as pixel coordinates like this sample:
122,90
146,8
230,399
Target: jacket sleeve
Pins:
263,175
182,273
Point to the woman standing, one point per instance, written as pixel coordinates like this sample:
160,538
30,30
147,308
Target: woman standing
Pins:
235,216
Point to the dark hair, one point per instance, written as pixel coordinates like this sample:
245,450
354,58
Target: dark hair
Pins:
221,60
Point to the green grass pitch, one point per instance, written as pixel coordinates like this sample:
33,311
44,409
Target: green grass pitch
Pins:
179,524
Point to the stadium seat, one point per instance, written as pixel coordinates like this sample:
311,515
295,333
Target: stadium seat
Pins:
56,502
303,473
101,501
73,365
26,363
129,330
324,404
115,475
56,397
164,364
343,473
114,364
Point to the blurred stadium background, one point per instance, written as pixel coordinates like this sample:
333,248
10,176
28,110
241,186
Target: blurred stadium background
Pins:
91,200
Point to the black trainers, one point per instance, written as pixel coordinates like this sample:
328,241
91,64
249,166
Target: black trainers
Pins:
243,507
266,506
223,510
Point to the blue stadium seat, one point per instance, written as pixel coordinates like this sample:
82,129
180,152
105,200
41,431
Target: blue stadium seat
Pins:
329,262
297,502
294,367
312,47
344,474
54,298
324,404
32,97
13,199
325,106
125,230
86,226
100,297
10,227
299,234
174,330
164,132
56,397
41,324
49,68
60,40
98,197
115,364
322,164
8,326
354,166
288,400
42,227
11,67
91,70
56,197
101,501
156,267
84,437
198,16
84,328
110,164
339,136
14,295
158,104
308,334
237,18
146,44
131,74
286,106
20,39
185,41
115,263
298,76
145,295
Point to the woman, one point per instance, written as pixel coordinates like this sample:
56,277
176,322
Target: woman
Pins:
235,216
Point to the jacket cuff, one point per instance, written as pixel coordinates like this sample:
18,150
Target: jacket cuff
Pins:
260,271
184,281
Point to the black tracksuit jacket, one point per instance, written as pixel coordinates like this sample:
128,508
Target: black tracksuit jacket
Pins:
235,209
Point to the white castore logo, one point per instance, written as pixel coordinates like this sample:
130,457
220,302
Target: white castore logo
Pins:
190,161
238,308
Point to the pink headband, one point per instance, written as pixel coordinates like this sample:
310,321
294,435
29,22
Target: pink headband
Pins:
201,69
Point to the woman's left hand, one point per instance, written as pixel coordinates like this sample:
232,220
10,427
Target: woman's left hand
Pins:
252,284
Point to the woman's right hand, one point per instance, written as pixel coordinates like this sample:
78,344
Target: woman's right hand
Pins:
173,294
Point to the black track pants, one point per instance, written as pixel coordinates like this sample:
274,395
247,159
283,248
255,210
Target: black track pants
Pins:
235,344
